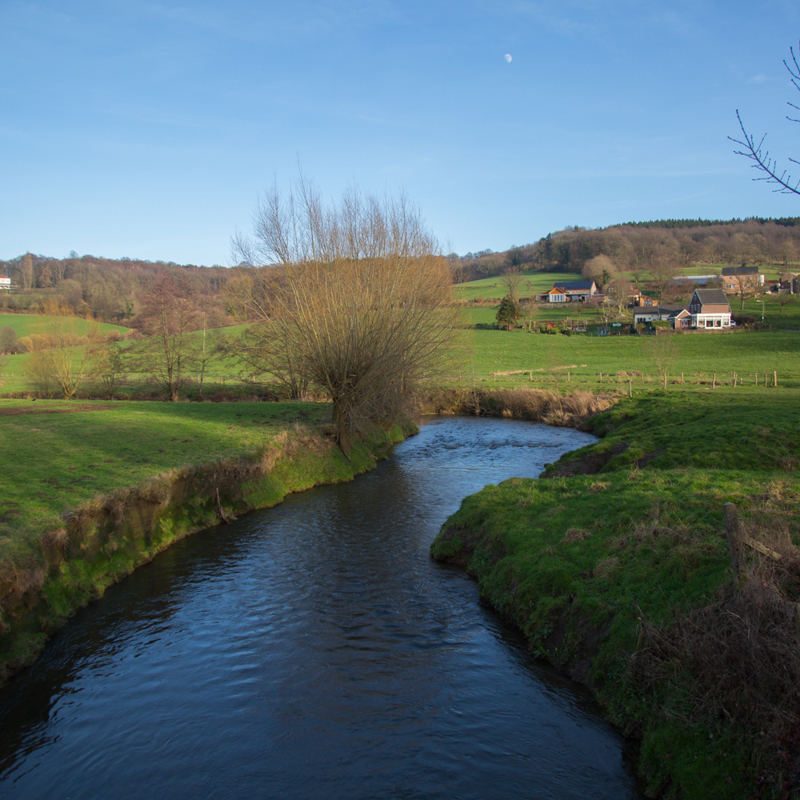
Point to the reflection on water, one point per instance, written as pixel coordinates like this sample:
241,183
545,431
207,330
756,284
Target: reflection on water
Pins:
315,650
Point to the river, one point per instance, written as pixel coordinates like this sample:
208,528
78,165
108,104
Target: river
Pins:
315,650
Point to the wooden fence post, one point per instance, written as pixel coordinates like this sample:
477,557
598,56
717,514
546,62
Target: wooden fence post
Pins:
756,379
714,381
775,378
630,388
732,530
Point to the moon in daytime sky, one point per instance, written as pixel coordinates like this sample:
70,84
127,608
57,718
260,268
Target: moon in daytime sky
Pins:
507,58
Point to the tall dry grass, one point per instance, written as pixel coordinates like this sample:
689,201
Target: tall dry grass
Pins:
736,661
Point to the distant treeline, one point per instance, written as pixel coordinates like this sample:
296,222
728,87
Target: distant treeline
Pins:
111,290
640,246
707,223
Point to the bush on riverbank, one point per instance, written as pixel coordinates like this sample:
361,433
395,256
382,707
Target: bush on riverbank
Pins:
617,569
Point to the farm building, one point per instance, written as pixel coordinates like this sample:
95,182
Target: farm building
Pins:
5,282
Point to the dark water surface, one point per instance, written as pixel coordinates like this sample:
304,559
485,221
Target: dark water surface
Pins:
315,650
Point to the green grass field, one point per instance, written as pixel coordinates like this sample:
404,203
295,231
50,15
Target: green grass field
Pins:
221,374
578,561
65,453
26,324
583,358
534,282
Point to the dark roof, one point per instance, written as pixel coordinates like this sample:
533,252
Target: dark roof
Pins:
573,287
740,270
711,297
670,309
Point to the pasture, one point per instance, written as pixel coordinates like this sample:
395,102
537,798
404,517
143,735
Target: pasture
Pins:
26,324
79,450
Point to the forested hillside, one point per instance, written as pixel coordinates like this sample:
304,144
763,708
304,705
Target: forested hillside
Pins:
107,289
641,246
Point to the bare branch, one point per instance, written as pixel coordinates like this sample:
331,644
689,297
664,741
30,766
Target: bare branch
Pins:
763,162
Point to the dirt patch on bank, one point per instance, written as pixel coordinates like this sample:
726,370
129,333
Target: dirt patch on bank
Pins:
590,464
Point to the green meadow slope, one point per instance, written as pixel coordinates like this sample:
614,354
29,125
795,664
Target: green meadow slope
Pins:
616,566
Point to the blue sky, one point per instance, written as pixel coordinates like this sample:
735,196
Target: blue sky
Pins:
148,129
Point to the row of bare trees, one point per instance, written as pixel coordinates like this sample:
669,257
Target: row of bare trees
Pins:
178,341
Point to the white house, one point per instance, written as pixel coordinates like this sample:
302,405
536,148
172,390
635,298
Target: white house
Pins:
5,282
579,291
710,309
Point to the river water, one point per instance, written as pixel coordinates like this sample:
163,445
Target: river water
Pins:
314,650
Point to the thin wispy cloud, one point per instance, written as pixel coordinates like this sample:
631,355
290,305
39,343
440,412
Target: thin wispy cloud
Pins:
756,79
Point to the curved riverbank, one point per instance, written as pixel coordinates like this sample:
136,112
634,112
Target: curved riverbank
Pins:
317,650
102,541
616,567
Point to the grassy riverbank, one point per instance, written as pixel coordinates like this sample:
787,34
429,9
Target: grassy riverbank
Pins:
99,488
616,567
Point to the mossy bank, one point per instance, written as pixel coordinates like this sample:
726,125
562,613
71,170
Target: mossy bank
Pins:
615,564
46,576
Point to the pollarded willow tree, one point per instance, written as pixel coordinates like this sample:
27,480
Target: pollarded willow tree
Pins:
353,299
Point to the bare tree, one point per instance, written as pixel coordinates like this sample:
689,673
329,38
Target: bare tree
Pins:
66,363
620,290
169,315
760,158
263,357
8,339
25,270
745,286
785,299
357,300
662,272
210,348
108,367
512,279
599,269
664,352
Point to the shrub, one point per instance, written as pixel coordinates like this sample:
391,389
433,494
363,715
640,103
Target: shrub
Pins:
507,314
8,338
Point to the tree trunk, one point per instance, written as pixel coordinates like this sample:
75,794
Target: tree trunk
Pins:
342,424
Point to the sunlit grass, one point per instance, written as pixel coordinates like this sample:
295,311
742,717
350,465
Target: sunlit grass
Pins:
65,453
